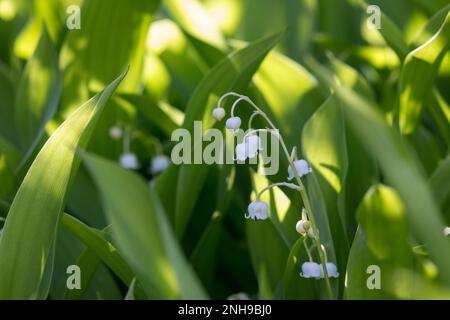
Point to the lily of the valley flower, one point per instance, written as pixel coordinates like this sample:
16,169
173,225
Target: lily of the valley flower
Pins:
241,152
249,148
254,145
218,113
257,210
311,270
302,168
331,270
129,161
233,124
315,270
115,133
446,231
159,164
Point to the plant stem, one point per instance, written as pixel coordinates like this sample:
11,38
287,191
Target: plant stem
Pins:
303,194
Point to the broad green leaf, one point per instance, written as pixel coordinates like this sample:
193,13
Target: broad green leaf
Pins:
204,257
324,146
291,98
269,255
9,160
168,42
440,181
400,167
32,221
113,35
8,80
88,263
418,74
96,242
195,19
153,112
38,94
381,241
142,233
390,32
296,287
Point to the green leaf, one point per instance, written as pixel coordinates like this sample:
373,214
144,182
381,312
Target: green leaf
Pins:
292,98
400,167
390,32
296,287
195,19
153,112
7,96
38,94
324,146
32,221
96,242
382,240
142,233
440,181
88,263
419,71
116,27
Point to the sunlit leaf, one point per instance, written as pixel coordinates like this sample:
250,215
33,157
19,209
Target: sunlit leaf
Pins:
32,221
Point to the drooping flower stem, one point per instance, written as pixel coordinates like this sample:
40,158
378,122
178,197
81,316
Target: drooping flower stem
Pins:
278,184
307,250
302,190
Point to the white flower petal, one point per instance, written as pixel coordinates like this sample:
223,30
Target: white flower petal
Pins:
159,164
311,270
258,210
332,270
218,113
233,123
129,161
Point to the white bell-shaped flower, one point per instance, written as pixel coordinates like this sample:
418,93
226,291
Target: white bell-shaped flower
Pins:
331,270
301,167
311,233
241,152
446,231
159,164
303,227
254,145
115,133
129,161
218,113
257,210
311,270
233,123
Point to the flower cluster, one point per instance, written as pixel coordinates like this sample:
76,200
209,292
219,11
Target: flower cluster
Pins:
129,160
315,270
258,209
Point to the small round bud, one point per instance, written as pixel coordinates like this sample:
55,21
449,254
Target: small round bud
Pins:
218,113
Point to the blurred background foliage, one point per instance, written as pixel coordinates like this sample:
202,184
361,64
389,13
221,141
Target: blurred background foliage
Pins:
369,112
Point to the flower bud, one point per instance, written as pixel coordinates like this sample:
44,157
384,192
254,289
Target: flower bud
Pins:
257,210
115,133
300,227
129,161
159,164
218,113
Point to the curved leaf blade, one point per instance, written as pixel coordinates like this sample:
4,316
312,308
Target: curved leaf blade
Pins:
32,220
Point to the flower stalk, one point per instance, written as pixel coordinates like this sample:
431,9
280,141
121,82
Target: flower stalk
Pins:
301,189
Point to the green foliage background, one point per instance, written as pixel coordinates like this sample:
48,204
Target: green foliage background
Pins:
369,109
